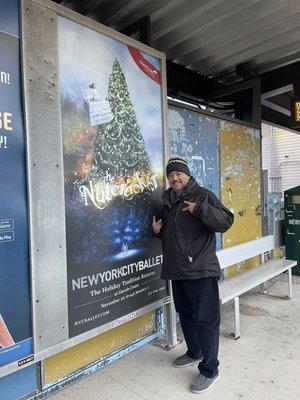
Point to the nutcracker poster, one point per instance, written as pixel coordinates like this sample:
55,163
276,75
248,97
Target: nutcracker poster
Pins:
112,127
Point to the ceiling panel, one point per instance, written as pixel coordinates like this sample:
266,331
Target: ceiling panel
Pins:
240,28
210,36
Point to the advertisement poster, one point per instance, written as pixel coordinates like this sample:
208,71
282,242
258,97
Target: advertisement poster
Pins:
15,320
111,107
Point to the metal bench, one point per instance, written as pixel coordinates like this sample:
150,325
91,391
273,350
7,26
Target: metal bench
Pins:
232,288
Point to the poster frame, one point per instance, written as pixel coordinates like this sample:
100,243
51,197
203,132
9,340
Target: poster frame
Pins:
41,104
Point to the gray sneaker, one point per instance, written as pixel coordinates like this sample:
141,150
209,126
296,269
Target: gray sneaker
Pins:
184,361
202,384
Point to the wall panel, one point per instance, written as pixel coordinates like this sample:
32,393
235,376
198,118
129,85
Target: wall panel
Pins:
195,137
281,157
240,185
61,365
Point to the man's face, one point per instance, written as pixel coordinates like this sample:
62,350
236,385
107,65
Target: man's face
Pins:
178,180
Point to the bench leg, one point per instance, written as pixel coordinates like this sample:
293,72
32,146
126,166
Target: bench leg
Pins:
237,328
263,288
290,295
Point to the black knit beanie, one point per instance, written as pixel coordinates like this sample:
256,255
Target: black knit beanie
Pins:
177,164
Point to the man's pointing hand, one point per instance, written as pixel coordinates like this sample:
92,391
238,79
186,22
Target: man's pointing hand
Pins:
190,207
156,225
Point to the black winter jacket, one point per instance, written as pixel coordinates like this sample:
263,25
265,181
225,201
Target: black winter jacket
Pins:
189,244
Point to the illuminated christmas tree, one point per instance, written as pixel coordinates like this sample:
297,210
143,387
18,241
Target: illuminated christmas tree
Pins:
120,146
126,230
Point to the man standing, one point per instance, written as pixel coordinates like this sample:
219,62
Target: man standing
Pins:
191,216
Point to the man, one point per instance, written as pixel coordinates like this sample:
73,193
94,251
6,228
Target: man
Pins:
191,216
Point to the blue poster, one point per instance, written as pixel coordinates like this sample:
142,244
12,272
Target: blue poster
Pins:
9,21
15,320
195,137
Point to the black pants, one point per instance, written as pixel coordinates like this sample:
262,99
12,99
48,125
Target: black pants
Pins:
197,303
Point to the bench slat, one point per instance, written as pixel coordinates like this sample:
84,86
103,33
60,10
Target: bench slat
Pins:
244,251
249,279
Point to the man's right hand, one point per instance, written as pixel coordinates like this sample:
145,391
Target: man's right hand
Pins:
156,225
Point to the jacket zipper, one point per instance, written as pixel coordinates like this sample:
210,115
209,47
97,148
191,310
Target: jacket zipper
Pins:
177,212
189,254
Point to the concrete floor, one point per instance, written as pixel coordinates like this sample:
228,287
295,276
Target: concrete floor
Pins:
264,364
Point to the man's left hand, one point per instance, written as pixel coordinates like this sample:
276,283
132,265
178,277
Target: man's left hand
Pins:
190,207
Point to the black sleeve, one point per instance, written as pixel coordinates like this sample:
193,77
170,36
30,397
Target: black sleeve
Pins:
213,214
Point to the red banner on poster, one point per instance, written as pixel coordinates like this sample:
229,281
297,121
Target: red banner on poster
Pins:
149,69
